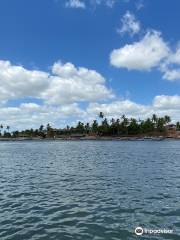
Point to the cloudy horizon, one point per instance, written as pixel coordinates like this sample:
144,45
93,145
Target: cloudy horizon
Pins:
77,58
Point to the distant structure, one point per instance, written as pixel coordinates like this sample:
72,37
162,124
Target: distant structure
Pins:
172,131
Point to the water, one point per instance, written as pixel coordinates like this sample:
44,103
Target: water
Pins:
89,190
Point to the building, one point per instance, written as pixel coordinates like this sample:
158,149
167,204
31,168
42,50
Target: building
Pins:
171,131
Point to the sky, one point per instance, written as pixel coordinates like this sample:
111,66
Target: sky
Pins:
63,61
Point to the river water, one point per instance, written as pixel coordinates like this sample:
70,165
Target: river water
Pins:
89,190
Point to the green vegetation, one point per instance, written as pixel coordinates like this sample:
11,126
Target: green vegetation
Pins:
123,126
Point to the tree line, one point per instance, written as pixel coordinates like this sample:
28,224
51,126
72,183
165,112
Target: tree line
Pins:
122,126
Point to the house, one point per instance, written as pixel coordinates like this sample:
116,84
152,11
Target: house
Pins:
171,131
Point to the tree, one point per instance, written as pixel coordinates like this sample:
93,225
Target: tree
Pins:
118,126
147,126
41,128
101,115
160,124
15,134
154,118
80,127
87,128
124,124
1,127
167,119
133,127
95,127
178,126
113,127
50,132
104,128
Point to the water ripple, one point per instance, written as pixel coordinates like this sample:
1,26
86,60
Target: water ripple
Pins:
88,190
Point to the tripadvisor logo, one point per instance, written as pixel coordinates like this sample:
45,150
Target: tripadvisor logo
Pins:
139,231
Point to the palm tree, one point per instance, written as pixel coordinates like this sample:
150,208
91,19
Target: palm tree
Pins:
1,127
113,126
104,127
48,127
49,130
112,121
160,124
80,127
118,127
41,128
154,118
133,127
167,119
124,124
95,126
178,126
87,128
101,115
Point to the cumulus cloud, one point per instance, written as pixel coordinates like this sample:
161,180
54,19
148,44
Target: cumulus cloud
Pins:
161,105
129,24
142,55
83,3
139,4
118,108
59,91
167,102
65,84
31,115
171,67
171,74
108,3
175,57
75,4
71,84
151,51
18,82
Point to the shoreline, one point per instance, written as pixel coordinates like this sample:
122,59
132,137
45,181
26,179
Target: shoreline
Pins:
89,139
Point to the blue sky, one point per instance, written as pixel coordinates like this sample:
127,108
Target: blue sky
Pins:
129,52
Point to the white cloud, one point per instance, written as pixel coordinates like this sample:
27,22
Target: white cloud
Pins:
161,105
167,102
75,4
72,84
175,57
129,24
31,115
171,74
149,52
59,91
84,3
118,108
18,82
142,55
139,4
171,66
108,3
66,84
